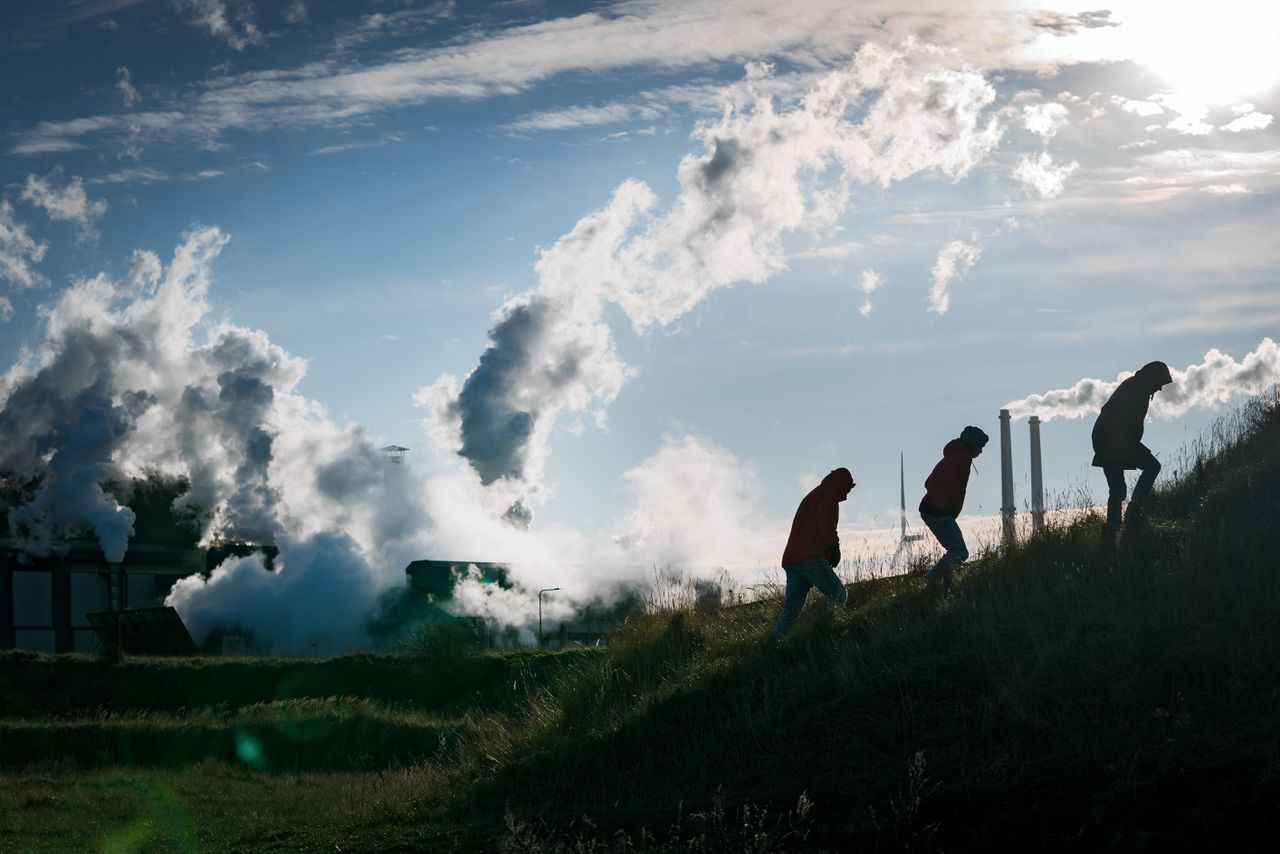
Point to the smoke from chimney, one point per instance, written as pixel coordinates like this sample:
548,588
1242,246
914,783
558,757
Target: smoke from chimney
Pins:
763,173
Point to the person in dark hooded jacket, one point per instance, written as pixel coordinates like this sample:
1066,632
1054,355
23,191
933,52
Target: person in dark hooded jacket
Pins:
1117,442
944,499
813,548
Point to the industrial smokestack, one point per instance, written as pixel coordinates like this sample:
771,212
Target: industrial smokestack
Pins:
115,586
1037,477
1007,509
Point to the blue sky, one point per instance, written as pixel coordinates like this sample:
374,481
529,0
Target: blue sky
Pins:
394,178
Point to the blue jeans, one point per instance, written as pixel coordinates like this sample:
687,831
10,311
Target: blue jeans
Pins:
814,572
948,533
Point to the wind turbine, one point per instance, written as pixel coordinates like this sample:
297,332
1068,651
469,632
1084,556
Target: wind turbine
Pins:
906,539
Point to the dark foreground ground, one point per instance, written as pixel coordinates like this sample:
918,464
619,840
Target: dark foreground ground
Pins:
1060,696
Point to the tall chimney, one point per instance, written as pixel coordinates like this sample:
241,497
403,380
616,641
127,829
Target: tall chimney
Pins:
1037,477
1007,508
115,587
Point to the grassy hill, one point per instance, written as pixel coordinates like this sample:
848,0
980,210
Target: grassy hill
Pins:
1060,696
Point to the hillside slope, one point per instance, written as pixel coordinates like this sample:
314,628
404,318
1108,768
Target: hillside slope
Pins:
1058,696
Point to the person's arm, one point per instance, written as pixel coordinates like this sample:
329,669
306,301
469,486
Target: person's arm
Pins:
830,521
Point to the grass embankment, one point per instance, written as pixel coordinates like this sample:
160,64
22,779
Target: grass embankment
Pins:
1059,696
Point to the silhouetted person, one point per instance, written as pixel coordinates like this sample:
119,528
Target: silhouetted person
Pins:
1117,442
944,499
813,548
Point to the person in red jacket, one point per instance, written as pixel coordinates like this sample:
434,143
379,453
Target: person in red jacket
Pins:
813,548
944,498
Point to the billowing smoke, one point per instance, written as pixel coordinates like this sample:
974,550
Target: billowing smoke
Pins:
1210,383
318,598
133,380
764,172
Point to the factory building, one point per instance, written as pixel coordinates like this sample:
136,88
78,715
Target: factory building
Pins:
45,600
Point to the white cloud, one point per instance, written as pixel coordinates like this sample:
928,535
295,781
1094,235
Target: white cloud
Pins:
296,12
1248,121
1191,114
69,204
569,118
124,86
383,25
1040,174
6,309
1044,120
18,251
1141,143
868,282
954,260
627,34
1227,190
1140,108
132,175
388,139
211,15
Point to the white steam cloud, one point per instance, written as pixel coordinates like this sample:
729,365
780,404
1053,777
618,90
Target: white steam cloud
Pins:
133,379
955,259
763,173
1210,383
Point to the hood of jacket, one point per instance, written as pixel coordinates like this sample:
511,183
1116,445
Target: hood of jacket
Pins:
1154,375
840,481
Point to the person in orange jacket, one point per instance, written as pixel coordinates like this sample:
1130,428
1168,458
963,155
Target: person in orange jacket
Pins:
944,499
813,548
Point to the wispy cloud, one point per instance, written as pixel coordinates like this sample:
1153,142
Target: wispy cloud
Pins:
1226,190
633,33
69,204
132,175
386,25
355,146
124,85
868,282
18,251
211,15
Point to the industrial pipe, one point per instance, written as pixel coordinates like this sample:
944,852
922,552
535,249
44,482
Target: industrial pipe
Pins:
1007,508
1037,477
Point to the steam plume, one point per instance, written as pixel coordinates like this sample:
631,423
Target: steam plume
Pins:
1210,383
763,173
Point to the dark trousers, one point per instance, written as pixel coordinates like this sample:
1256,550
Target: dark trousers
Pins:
1143,459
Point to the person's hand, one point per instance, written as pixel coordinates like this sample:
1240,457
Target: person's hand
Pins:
835,557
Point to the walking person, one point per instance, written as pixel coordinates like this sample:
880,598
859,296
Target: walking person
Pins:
1117,444
944,499
813,548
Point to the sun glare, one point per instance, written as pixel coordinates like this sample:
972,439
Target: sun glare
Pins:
1215,53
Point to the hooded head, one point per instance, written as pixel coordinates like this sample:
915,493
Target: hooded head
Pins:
1156,375
975,438
840,480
